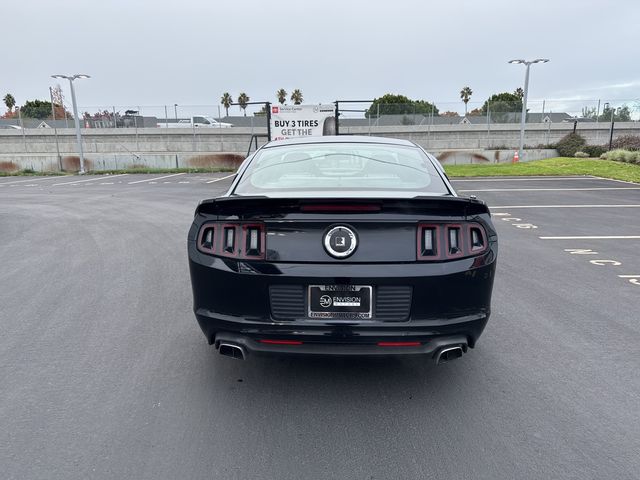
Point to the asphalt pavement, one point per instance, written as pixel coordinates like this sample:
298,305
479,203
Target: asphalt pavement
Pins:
105,374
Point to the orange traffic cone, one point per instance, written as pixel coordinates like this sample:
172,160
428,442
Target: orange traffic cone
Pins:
516,157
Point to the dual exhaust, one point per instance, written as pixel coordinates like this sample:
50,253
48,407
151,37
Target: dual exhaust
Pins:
444,355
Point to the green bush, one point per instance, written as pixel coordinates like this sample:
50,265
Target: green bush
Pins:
594,151
631,157
568,145
627,142
581,155
623,156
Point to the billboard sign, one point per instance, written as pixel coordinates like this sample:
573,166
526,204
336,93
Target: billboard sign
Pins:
294,121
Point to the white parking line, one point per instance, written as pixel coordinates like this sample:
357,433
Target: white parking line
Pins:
595,237
616,180
562,206
629,276
90,179
156,178
30,180
222,178
549,189
527,179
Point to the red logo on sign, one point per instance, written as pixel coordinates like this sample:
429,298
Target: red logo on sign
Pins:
275,109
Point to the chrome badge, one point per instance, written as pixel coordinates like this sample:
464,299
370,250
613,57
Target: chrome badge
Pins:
340,242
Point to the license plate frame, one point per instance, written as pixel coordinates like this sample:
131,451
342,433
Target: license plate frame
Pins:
346,302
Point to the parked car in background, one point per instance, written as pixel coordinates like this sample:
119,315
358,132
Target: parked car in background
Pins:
197,121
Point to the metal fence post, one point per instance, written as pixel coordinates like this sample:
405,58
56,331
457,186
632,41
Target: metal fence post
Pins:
267,107
488,124
611,129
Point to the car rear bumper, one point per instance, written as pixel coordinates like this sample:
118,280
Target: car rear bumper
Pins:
251,346
343,337
448,303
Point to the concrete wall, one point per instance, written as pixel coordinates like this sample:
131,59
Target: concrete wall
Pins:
118,148
445,137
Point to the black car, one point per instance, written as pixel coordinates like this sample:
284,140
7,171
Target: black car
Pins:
342,245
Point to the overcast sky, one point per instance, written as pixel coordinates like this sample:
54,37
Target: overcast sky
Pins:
156,52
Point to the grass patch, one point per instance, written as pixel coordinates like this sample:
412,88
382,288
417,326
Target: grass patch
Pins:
551,166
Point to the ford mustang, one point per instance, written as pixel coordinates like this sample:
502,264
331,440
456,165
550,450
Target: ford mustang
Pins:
342,245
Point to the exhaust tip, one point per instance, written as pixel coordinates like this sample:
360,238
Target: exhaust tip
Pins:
449,353
231,350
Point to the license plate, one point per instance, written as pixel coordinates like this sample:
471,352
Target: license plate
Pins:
340,301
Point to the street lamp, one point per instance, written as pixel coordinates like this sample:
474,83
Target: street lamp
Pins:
175,111
71,78
528,63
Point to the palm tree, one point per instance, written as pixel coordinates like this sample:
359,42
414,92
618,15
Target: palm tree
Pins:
465,95
282,96
519,93
296,97
9,101
226,101
243,100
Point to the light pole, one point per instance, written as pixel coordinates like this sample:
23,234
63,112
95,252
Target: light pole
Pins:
175,111
71,78
528,64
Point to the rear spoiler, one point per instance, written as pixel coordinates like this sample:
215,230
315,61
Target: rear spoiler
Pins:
251,205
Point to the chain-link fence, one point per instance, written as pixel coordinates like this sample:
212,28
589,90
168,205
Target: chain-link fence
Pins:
359,114
487,113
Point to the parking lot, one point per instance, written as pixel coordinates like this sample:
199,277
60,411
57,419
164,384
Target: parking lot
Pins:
105,373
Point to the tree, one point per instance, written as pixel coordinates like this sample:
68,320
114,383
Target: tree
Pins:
243,100
519,92
282,96
296,97
476,112
391,104
226,100
9,101
262,112
620,114
36,109
465,95
449,114
502,102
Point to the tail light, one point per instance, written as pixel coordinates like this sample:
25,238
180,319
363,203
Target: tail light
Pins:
437,242
236,240
428,241
454,241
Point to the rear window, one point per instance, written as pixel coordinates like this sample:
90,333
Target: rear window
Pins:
341,167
